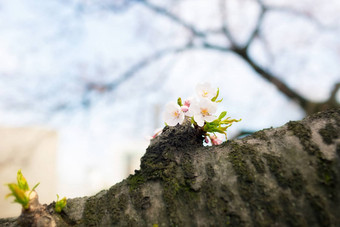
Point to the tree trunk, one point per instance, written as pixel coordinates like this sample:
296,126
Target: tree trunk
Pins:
287,176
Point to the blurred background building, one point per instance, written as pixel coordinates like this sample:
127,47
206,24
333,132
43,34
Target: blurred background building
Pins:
94,76
34,151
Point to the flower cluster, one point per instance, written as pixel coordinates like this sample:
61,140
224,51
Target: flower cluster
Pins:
201,112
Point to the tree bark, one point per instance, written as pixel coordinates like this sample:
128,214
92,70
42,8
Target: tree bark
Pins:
287,176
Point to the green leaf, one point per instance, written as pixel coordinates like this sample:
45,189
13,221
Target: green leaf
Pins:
214,123
210,125
218,130
225,127
227,121
19,195
179,101
60,204
222,115
216,96
218,101
22,183
35,186
193,121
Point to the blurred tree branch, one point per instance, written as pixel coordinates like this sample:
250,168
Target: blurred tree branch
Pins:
241,51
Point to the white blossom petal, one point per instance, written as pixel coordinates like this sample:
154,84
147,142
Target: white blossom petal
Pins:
173,114
203,111
210,118
204,90
199,120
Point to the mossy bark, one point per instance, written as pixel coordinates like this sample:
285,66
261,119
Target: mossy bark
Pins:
288,176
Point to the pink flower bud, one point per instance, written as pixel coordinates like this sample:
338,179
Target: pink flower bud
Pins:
216,142
185,108
187,103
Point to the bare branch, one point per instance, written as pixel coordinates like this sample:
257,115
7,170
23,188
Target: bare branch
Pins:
280,85
257,26
173,17
207,45
137,67
239,51
335,90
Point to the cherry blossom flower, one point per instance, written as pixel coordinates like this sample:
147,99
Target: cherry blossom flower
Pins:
186,107
173,114
200,113
215,140
188,102
203,111
205,91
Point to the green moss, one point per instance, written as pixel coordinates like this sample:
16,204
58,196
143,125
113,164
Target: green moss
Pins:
293,180
175,191
318,207
277,169
169,196
93,212
291,216
328,133
245,176
251,154
263,208
258,164
261,135
326,174
216,203
209,169
116,208
187,166
108,209
227,195
327,177
233,220
305,135
135,181
211,199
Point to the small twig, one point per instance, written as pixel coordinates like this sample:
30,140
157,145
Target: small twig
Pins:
137,67
280,85
257,26
173,17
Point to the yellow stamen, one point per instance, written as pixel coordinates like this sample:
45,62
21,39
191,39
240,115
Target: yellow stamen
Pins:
205,112
176,114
